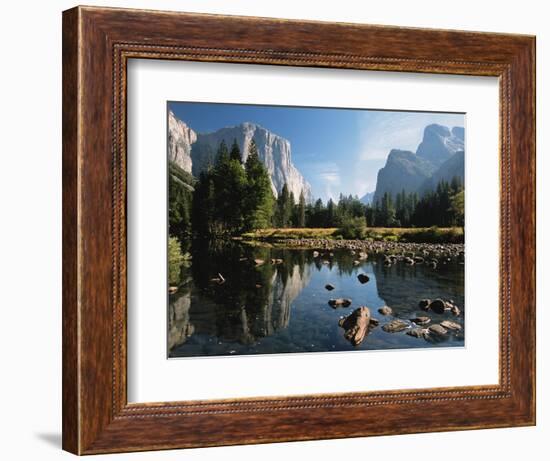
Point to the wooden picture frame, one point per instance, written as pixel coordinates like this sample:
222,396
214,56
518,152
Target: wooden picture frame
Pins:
97,43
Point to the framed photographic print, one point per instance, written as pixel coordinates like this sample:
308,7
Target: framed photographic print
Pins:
284,230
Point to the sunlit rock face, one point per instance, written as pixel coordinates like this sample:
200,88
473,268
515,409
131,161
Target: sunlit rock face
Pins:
180,140
194,152
274,151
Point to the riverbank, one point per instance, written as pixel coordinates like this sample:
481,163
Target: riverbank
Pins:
376,234
391,252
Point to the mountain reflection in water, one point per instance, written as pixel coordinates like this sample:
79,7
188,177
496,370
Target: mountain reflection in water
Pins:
275,301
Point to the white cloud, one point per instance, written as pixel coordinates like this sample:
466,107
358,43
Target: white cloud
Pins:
329,173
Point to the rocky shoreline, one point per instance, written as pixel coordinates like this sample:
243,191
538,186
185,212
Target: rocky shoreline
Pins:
432,254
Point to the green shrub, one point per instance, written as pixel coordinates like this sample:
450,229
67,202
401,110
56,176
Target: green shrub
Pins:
353,228
175,260
391,238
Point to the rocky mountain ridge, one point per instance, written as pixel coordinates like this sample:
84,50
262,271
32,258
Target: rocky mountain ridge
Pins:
439,156
193,152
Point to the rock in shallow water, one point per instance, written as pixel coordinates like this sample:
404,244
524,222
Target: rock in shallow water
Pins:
340,302
421,320
356,325
438,306
451,325
395,326
419,332
437,330
363,278
329,287
385,310
424,303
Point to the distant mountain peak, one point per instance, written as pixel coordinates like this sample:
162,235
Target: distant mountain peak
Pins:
413,172
439,143
367,198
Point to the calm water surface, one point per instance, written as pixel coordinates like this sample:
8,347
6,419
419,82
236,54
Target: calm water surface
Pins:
283,307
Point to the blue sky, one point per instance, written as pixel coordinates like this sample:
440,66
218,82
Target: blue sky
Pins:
337,150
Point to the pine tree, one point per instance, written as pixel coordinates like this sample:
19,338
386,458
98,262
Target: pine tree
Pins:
203,205
332,218
283,210
301,211
258,209
235,153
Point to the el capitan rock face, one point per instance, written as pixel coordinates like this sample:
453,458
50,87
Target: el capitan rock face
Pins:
180,140
274,152
440,156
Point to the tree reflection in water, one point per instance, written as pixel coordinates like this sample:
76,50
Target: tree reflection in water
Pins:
273,300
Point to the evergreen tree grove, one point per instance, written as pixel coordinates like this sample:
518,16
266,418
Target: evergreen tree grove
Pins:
259,200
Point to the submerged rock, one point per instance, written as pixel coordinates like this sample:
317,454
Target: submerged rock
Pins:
329,287
395,326
340,302
363,278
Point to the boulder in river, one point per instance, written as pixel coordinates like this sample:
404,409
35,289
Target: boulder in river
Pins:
385,310
172,290
438,306
356,325
329,287
424,303
437,330
340,302
455,310
363,278
421,320
451,325
315,254
259,262
395,325
419,332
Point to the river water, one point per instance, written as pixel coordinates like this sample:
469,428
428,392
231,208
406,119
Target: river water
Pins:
279,304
